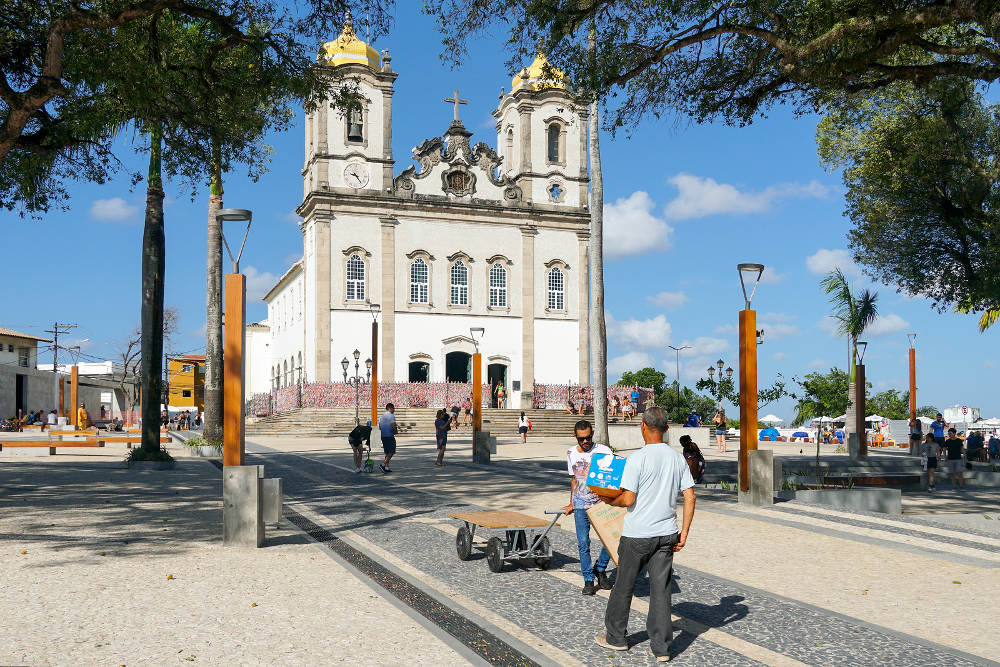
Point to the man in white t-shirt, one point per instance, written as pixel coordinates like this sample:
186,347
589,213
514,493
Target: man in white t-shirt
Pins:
387,427
650,483
581,498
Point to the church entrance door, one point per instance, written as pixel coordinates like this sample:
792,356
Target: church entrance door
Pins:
419,371
458,366
496,374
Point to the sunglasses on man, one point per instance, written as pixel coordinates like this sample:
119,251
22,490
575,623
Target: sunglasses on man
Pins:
584,438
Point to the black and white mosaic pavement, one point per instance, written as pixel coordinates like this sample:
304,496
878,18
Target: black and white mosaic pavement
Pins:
555,611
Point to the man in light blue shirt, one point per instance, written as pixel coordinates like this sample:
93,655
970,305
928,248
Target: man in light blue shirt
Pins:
652,478
387,427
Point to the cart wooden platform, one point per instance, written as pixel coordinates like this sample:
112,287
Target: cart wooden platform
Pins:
521,537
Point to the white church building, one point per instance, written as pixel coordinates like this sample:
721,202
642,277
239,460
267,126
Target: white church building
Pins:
471,236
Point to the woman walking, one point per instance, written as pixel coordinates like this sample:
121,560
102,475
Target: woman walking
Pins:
720,430
442,423
522,427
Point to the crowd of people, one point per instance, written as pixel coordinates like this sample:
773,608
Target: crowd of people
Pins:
189,420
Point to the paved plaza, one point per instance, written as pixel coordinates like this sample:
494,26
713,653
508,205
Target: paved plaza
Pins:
363,570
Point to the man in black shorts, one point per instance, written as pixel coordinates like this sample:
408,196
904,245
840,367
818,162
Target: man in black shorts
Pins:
931,454
388,429
956,465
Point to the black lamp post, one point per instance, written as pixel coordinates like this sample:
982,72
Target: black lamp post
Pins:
356,380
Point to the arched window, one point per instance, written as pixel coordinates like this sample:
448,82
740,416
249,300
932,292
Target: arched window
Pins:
552,138
459,284
355,124
557,292
355,278
419,281
498,286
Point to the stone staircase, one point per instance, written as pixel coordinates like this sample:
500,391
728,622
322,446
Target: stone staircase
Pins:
419,422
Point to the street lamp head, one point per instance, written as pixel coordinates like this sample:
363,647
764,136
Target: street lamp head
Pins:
345,363
749,273
912,338
477,332
368,365
729,372
374,309
357,354
711,372
224,215
859,350
720,363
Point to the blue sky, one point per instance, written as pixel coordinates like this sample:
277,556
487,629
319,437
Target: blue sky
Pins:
684,204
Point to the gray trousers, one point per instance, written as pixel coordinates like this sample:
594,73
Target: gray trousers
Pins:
656,554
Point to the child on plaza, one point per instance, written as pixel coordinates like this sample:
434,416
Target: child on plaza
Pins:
930,456
581,498
441,425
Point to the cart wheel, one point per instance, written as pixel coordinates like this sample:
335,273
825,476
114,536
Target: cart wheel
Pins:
494,554
463,543
544,562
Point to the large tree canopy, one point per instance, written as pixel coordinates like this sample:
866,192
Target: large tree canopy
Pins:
735,58
57,119
922,167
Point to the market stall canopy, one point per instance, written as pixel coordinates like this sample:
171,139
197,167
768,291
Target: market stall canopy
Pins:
875,418
823,420
771,419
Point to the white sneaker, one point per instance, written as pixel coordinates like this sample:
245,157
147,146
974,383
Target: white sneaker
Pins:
357,470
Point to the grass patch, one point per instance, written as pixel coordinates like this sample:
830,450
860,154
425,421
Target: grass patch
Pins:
139,454
202,442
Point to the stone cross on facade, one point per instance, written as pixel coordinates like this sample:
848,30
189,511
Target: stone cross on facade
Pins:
456,100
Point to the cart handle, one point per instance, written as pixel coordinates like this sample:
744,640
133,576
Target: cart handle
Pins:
538,538
553,511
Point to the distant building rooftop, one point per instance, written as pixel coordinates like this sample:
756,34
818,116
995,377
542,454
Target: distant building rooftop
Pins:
18,334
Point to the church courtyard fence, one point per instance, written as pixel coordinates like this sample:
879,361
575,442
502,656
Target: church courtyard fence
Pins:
422,395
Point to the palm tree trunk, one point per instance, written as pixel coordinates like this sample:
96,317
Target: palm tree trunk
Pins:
153,263
213,308
598,330
851,412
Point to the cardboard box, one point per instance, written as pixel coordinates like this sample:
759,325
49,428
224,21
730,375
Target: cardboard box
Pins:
605,475
607,521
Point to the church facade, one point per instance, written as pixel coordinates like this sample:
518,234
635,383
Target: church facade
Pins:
471,236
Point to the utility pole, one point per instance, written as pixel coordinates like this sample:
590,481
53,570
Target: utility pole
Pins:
56,329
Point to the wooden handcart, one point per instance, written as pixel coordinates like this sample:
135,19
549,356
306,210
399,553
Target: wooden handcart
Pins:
519,537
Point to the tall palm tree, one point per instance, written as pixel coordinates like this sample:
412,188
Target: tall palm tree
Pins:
598,330
853,314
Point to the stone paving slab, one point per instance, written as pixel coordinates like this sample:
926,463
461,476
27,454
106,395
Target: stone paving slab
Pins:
126,567
805,633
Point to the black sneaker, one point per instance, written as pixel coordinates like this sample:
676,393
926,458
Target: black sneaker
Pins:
602,580
589,588
384,469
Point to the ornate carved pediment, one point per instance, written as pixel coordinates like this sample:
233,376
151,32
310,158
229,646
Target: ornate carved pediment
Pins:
459,179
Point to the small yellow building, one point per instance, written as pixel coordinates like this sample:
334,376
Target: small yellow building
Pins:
186,380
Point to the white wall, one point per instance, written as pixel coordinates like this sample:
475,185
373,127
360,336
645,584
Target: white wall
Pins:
257,370
557,352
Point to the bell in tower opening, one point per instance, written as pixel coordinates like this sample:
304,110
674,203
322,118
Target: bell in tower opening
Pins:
355,124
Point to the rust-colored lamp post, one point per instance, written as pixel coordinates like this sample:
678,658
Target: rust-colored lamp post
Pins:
374,309
859,399
912,338
74,395
477,388
749,275
234,341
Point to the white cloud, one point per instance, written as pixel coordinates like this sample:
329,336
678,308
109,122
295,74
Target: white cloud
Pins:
777,325
668,299
829,325
819,363
698,197
771,276
201,331
886,324
705,345
630,228
258,284
778,356
115,209
650,333
725,329
631,361
824,261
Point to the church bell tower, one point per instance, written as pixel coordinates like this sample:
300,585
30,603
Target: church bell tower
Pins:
351,150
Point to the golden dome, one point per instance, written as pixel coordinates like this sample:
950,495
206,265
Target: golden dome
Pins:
348,49
534,77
